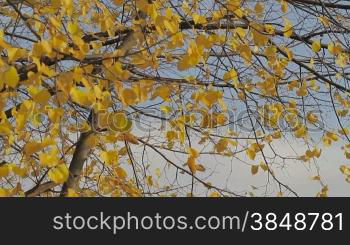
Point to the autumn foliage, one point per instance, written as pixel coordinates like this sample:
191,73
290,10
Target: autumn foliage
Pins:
169,98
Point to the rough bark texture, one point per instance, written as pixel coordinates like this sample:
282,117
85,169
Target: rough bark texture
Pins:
76,166
42,188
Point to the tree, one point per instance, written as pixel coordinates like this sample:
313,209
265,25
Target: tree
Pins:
154,98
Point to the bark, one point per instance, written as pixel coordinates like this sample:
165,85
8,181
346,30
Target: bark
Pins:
42,188
83,147
81,153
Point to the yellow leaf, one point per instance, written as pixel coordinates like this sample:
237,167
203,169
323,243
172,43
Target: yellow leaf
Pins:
128,96
342,60
92,141
345,169
288,28
332,136
259,38
80,97
73,28
49,159
317,177
68,6
158,172
316,45
4,192
149,181
42,97
284,6
47,47
324,20
222,145
309,154
55,114
254,169
347,154
211,97
342,113
270,29
193,152
55,22
163,92
240,31
217,15
344,131
117,71
335,48
11,77
302,91
264,166
289,53
259,8
230,75
326,141
317,152
120,172
119,122
128,137
214,194
109,157
166,109
118,2
203,41
311,117
277,135
301,132
183,64
194,54
199,19
245,52
191,162
251,153
256,147
32,147
200,168
72,193
233,5
171,135
3,44
171,26
15,54
59,174
21,119
221,119
4,171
